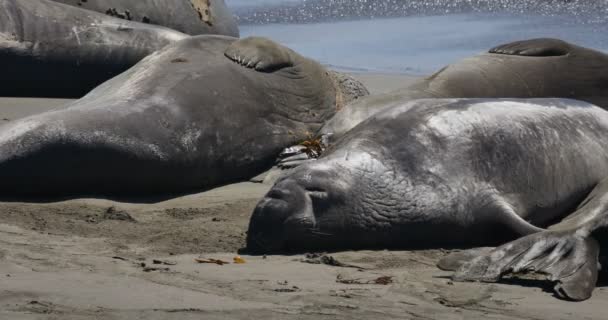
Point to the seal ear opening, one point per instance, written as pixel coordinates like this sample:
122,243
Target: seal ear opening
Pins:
541,47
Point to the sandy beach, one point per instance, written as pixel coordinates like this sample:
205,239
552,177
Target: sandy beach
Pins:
103,259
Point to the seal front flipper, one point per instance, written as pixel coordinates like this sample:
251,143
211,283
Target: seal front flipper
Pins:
260,54
541,47
305,152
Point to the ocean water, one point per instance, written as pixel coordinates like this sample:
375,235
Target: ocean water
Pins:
415,36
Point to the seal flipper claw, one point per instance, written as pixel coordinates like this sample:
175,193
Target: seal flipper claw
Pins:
541,47
260,54
567,258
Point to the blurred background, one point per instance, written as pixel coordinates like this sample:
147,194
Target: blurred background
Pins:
415,36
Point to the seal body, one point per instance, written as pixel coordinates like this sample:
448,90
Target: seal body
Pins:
194,17
49,49
440,172
185,118
536,68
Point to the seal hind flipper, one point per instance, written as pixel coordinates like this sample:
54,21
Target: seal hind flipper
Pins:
260,54
568,253
567,258
541,47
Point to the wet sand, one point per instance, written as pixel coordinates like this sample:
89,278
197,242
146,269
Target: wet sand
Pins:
102,259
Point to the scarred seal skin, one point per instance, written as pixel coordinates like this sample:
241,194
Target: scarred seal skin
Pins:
440,172
194,17
48,49
189,117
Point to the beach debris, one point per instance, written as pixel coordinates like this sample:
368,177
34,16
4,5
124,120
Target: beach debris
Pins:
116,214
203,9
91,218
120,258
212,261
349,293
150,269
322,258
239,260
383,280
288,290
164,262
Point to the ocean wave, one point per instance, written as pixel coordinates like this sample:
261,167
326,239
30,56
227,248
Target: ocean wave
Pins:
313,11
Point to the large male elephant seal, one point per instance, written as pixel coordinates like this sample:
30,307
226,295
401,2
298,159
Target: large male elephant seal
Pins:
194,17
48,49
537,68
187,117
453,172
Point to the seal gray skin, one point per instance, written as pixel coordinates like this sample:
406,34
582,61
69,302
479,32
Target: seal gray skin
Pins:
536,68
48,49
439,172
567,253
194,17
186,118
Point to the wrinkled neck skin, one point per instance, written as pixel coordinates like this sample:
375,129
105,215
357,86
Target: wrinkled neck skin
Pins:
360,204
310,92
303,92
348,89
341,202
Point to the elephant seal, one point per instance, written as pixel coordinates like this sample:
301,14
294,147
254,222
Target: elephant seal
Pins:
48,49
194,17
185,118
536,68
440,172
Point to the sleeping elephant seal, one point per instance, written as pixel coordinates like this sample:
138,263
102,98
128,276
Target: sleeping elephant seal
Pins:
48,49
194,17
537,68
186,118
453,172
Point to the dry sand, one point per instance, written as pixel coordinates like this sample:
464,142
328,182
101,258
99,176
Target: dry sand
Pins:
101,259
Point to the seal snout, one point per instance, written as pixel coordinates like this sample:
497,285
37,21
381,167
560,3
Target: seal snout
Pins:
284,213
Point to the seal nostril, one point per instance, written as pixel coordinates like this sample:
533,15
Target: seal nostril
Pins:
279,194
315,189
